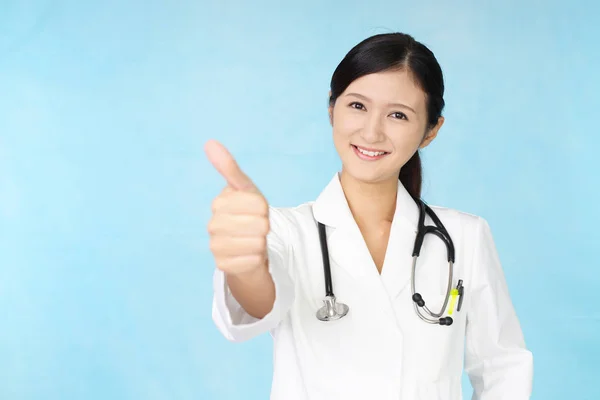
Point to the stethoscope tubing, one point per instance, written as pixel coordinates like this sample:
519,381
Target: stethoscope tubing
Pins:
439,230
326,266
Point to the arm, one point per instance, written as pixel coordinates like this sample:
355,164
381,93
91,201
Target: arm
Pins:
266,296
254,290
497,362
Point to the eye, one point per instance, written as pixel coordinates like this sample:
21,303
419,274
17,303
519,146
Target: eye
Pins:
357,105
399,115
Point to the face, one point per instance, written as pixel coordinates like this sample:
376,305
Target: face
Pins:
379,122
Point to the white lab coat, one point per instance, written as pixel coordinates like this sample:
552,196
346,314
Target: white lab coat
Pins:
381,350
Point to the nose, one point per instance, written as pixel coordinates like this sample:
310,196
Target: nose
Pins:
372,131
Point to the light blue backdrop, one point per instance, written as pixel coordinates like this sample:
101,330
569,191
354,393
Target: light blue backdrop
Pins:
105,273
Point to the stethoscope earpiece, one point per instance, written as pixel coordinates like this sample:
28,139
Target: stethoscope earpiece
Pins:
418,299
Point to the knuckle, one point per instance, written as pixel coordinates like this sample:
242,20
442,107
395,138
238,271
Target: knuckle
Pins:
223,265
257,203
259,226
264,209
265,226
262,206
261,243
213,245
216,204
211,226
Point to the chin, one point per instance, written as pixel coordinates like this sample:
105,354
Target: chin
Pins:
368,175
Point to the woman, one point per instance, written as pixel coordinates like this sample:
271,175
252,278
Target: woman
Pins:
386,103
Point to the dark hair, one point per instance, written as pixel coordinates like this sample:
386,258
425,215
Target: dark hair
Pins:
396,51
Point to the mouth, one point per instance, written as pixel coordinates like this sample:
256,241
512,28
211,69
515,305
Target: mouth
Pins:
369,154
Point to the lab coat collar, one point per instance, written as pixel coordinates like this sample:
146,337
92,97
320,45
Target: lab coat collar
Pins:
331,207
347,247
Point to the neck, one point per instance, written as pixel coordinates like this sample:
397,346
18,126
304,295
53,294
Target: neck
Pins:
370,203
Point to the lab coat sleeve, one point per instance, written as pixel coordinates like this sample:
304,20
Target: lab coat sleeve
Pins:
230,317
496,359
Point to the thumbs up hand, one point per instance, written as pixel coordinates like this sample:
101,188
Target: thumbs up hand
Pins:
240,222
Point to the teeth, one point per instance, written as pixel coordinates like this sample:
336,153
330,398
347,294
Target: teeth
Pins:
370,153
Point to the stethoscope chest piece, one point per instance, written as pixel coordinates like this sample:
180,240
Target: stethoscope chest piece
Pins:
332,310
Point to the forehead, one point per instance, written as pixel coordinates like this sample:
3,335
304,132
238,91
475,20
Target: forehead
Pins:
390,87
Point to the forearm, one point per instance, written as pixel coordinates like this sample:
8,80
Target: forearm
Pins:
254,291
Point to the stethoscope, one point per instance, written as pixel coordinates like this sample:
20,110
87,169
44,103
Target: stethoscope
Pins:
333,310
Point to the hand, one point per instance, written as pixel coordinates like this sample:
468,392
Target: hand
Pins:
240,222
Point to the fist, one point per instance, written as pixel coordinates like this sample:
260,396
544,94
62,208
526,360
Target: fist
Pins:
239,224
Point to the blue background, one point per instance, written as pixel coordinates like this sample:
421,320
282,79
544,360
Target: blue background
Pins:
105,272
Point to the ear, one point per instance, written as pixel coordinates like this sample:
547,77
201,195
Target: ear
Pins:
432,133
330,109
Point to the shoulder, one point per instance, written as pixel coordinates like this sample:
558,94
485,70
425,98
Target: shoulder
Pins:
470,225
453,213
285,220
291,214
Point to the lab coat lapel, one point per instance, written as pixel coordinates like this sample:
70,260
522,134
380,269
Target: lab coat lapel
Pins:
396,272
347,249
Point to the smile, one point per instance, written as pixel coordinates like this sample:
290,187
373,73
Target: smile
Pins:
369,154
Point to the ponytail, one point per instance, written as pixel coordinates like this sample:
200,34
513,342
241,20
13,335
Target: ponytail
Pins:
411,176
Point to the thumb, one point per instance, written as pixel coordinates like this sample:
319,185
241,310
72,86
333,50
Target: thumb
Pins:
224,162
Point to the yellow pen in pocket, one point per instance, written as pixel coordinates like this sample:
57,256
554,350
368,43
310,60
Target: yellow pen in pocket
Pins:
453,296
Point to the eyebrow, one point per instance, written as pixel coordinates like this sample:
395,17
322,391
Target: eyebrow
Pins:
360,96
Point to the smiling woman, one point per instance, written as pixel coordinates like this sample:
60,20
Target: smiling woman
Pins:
385,104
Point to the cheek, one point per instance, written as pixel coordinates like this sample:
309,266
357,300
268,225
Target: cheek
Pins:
345,125
340,138
406,138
